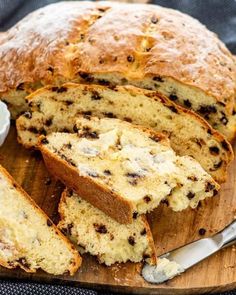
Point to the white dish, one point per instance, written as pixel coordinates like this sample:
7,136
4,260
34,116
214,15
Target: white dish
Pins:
4,122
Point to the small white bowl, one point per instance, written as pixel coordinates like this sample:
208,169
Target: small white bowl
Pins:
4,122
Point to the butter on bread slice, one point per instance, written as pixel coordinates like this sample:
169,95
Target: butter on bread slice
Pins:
28,238
123,169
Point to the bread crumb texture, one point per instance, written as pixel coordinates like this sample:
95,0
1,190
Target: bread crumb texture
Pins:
28,238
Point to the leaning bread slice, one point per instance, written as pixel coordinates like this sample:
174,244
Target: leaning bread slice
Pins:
100,235
55,109
28,238
124,169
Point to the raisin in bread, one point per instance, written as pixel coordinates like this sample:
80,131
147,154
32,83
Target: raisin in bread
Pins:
55,109
124,170
118,44
28,238
100,235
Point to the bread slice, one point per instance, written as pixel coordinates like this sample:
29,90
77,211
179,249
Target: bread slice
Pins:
124,170
55,109
28,238
100,235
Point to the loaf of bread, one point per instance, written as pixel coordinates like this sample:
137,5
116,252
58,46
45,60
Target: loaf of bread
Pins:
124,170
100,235
28,238
118,44
55,109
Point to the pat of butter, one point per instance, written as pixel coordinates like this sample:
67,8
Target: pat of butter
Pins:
163,271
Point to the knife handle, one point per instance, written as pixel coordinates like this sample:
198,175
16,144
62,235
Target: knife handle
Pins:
227,236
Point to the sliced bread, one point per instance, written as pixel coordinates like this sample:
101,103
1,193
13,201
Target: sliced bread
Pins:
124,170
100,235
55,109
28,238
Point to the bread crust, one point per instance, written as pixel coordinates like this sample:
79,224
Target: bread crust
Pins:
59,41
167,102
77,258
107,201
153,258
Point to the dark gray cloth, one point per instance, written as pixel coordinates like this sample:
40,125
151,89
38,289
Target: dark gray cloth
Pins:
218,15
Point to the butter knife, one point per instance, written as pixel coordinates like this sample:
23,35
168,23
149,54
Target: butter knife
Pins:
179,260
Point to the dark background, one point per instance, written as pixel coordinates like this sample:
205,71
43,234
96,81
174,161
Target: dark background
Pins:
218,15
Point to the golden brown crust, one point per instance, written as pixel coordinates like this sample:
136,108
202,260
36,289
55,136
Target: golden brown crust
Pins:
153,258
77,258
61,40
96,194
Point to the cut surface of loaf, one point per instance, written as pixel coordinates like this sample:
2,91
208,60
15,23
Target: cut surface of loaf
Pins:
124,170
119,44
102,236
55,109
28,238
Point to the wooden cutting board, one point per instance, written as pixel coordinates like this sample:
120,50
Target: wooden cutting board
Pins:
171,230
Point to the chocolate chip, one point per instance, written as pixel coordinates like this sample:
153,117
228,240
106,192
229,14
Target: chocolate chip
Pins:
48,122
68,145
48,181
135,215
193,178
202,231
92,174
132,175
158,79
109,115
218,165
187,103
100,228
143,232
87,77
131,241
209,131
20,86
224,119
95,96
209,186
44,141
147,199
49,222
130,58
50,69
103,82
173,97
154,19
33,130
27,115
166,202
65,130
127,119
190,195
88,134
69,102
87,113
207,109
225,145
54,88
107,172
214,150
61,89
173,109
75,129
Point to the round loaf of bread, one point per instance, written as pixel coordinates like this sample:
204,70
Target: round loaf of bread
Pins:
116,43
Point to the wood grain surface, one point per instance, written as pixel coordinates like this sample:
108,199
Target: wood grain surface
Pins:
171,230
